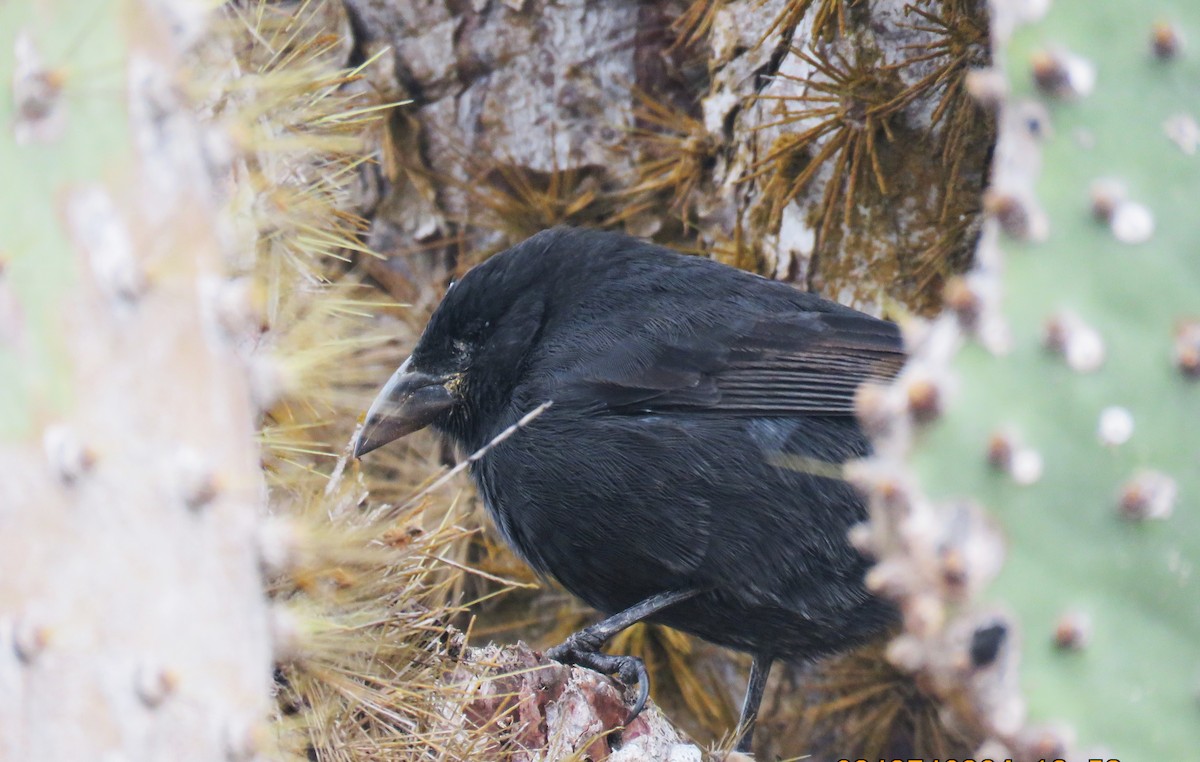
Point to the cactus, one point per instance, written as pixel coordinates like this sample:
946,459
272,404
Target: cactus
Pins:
1069,414
175,277
132,619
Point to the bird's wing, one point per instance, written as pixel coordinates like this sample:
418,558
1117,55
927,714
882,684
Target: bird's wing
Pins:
794,363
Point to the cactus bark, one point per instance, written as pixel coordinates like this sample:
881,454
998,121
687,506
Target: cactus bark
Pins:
133,622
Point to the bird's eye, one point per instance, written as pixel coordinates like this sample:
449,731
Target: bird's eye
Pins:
453,283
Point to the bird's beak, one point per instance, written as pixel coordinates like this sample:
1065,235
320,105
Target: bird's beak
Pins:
408,402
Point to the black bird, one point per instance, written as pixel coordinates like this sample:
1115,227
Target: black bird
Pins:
684,471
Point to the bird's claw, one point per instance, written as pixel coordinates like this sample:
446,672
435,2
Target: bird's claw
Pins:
584,651
577,646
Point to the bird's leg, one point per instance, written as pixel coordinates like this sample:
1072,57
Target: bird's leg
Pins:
583,648
760,668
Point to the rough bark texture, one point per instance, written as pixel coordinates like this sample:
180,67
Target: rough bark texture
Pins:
634,114
892,208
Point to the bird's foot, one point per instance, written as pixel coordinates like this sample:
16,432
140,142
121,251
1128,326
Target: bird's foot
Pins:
583,649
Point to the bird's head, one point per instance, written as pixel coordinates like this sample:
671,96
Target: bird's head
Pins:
469,357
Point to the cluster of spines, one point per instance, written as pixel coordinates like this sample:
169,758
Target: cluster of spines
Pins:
361,593
849,106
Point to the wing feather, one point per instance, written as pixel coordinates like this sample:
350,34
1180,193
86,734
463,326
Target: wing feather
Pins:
796,363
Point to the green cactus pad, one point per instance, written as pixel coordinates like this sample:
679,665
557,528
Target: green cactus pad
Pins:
1133,689
78,55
